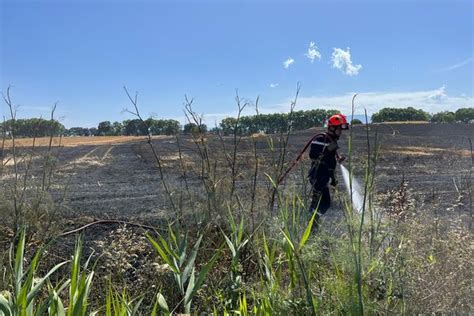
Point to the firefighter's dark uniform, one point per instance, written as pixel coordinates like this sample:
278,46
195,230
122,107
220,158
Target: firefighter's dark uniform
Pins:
323,154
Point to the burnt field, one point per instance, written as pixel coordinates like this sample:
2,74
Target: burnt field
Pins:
121,180
415,256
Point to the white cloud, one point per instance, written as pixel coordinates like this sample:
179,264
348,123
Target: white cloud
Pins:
458,65
313,52
288,62
274,85
439,94
341,59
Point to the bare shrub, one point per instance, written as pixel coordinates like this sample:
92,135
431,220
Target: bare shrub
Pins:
29,195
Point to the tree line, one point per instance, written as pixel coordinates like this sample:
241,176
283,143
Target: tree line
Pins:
32,127
275,122
245,125
462,115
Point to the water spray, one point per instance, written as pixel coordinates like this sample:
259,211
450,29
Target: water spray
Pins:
357,196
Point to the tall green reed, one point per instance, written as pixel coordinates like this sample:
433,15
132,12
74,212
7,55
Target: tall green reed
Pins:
174,252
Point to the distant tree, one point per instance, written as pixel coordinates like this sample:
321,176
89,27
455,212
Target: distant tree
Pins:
194,128
356,122
33,127
215,130
154,126
77,131
163,127
105,129
171,127
189,127
226,125
93,131
306,119
134,127
444,117
117,128
202,128
400,114
275,122
465,115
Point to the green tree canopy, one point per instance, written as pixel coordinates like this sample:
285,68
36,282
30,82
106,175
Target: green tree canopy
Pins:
194,128
105,128
134,127
465,115
33,127
444,117
171,127
400,114
275,122
78,131
117,128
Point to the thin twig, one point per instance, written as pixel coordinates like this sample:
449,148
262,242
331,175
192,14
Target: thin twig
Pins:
105,221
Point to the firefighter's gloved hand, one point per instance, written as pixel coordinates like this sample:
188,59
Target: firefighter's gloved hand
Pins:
341,158
333,181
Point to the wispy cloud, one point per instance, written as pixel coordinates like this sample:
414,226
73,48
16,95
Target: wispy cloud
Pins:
458,65
288,62
274,85
313,52
439,94
341,59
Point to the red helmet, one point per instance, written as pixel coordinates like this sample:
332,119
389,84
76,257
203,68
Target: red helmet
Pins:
338,120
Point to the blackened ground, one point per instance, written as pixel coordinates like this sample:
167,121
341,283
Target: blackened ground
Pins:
122,180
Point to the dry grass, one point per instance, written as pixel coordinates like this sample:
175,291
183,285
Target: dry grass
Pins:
426,151
77,141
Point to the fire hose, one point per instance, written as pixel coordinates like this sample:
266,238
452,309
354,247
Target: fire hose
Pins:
298,158
295,162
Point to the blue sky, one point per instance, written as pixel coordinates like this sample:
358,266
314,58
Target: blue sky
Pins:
81,54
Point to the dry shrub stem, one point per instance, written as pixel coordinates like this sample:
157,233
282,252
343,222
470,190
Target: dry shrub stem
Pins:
32,203
237,137
16,210
253,193
279,165
134,102
208,170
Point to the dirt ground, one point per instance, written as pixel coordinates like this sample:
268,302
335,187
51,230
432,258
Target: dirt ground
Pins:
118,178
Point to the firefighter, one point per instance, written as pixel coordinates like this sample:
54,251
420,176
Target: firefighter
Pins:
324,156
